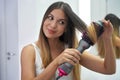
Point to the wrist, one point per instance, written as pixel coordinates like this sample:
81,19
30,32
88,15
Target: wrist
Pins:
55,62
107,39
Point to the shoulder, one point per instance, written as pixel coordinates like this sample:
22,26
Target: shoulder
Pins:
28,48
28,52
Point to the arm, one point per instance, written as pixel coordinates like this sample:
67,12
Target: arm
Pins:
108,65
28,66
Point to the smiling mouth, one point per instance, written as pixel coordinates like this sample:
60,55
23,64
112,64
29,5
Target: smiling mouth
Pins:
51,31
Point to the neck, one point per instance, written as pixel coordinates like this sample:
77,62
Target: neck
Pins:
54,43
56,47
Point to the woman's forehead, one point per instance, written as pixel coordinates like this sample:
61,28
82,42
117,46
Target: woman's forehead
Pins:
58,13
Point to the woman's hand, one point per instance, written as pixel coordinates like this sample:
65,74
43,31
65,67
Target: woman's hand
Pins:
71,56
108,30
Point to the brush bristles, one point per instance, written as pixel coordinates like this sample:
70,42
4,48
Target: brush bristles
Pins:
99,28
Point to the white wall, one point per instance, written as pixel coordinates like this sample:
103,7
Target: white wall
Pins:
98,9
84,10
113,6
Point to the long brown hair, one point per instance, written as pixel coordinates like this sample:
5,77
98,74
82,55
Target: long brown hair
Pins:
116,24
68,37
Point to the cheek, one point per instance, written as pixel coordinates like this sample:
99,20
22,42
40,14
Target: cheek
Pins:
44,27
45,23
61,30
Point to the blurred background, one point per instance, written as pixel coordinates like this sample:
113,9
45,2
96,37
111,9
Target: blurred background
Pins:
20,22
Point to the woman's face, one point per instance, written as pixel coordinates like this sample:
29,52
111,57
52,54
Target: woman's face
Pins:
55,24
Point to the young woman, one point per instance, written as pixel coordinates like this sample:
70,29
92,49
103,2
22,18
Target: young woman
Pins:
57,44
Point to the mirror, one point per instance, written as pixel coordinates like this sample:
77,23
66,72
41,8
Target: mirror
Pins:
99,8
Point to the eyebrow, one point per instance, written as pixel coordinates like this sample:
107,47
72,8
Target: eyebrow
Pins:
59,19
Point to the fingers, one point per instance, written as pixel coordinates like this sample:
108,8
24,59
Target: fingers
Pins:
70,61
71,56
107,23
108,29
73,53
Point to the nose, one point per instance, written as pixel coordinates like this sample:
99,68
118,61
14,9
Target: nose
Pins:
54,24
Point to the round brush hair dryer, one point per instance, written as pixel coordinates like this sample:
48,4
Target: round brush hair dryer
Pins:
65,68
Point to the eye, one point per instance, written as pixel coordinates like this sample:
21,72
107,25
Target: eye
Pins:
50,17
62,22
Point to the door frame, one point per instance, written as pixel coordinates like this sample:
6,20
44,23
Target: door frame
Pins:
2,41
8,15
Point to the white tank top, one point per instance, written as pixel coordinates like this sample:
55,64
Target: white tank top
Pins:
38,65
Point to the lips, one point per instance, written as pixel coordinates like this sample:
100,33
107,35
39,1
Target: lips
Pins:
50,31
